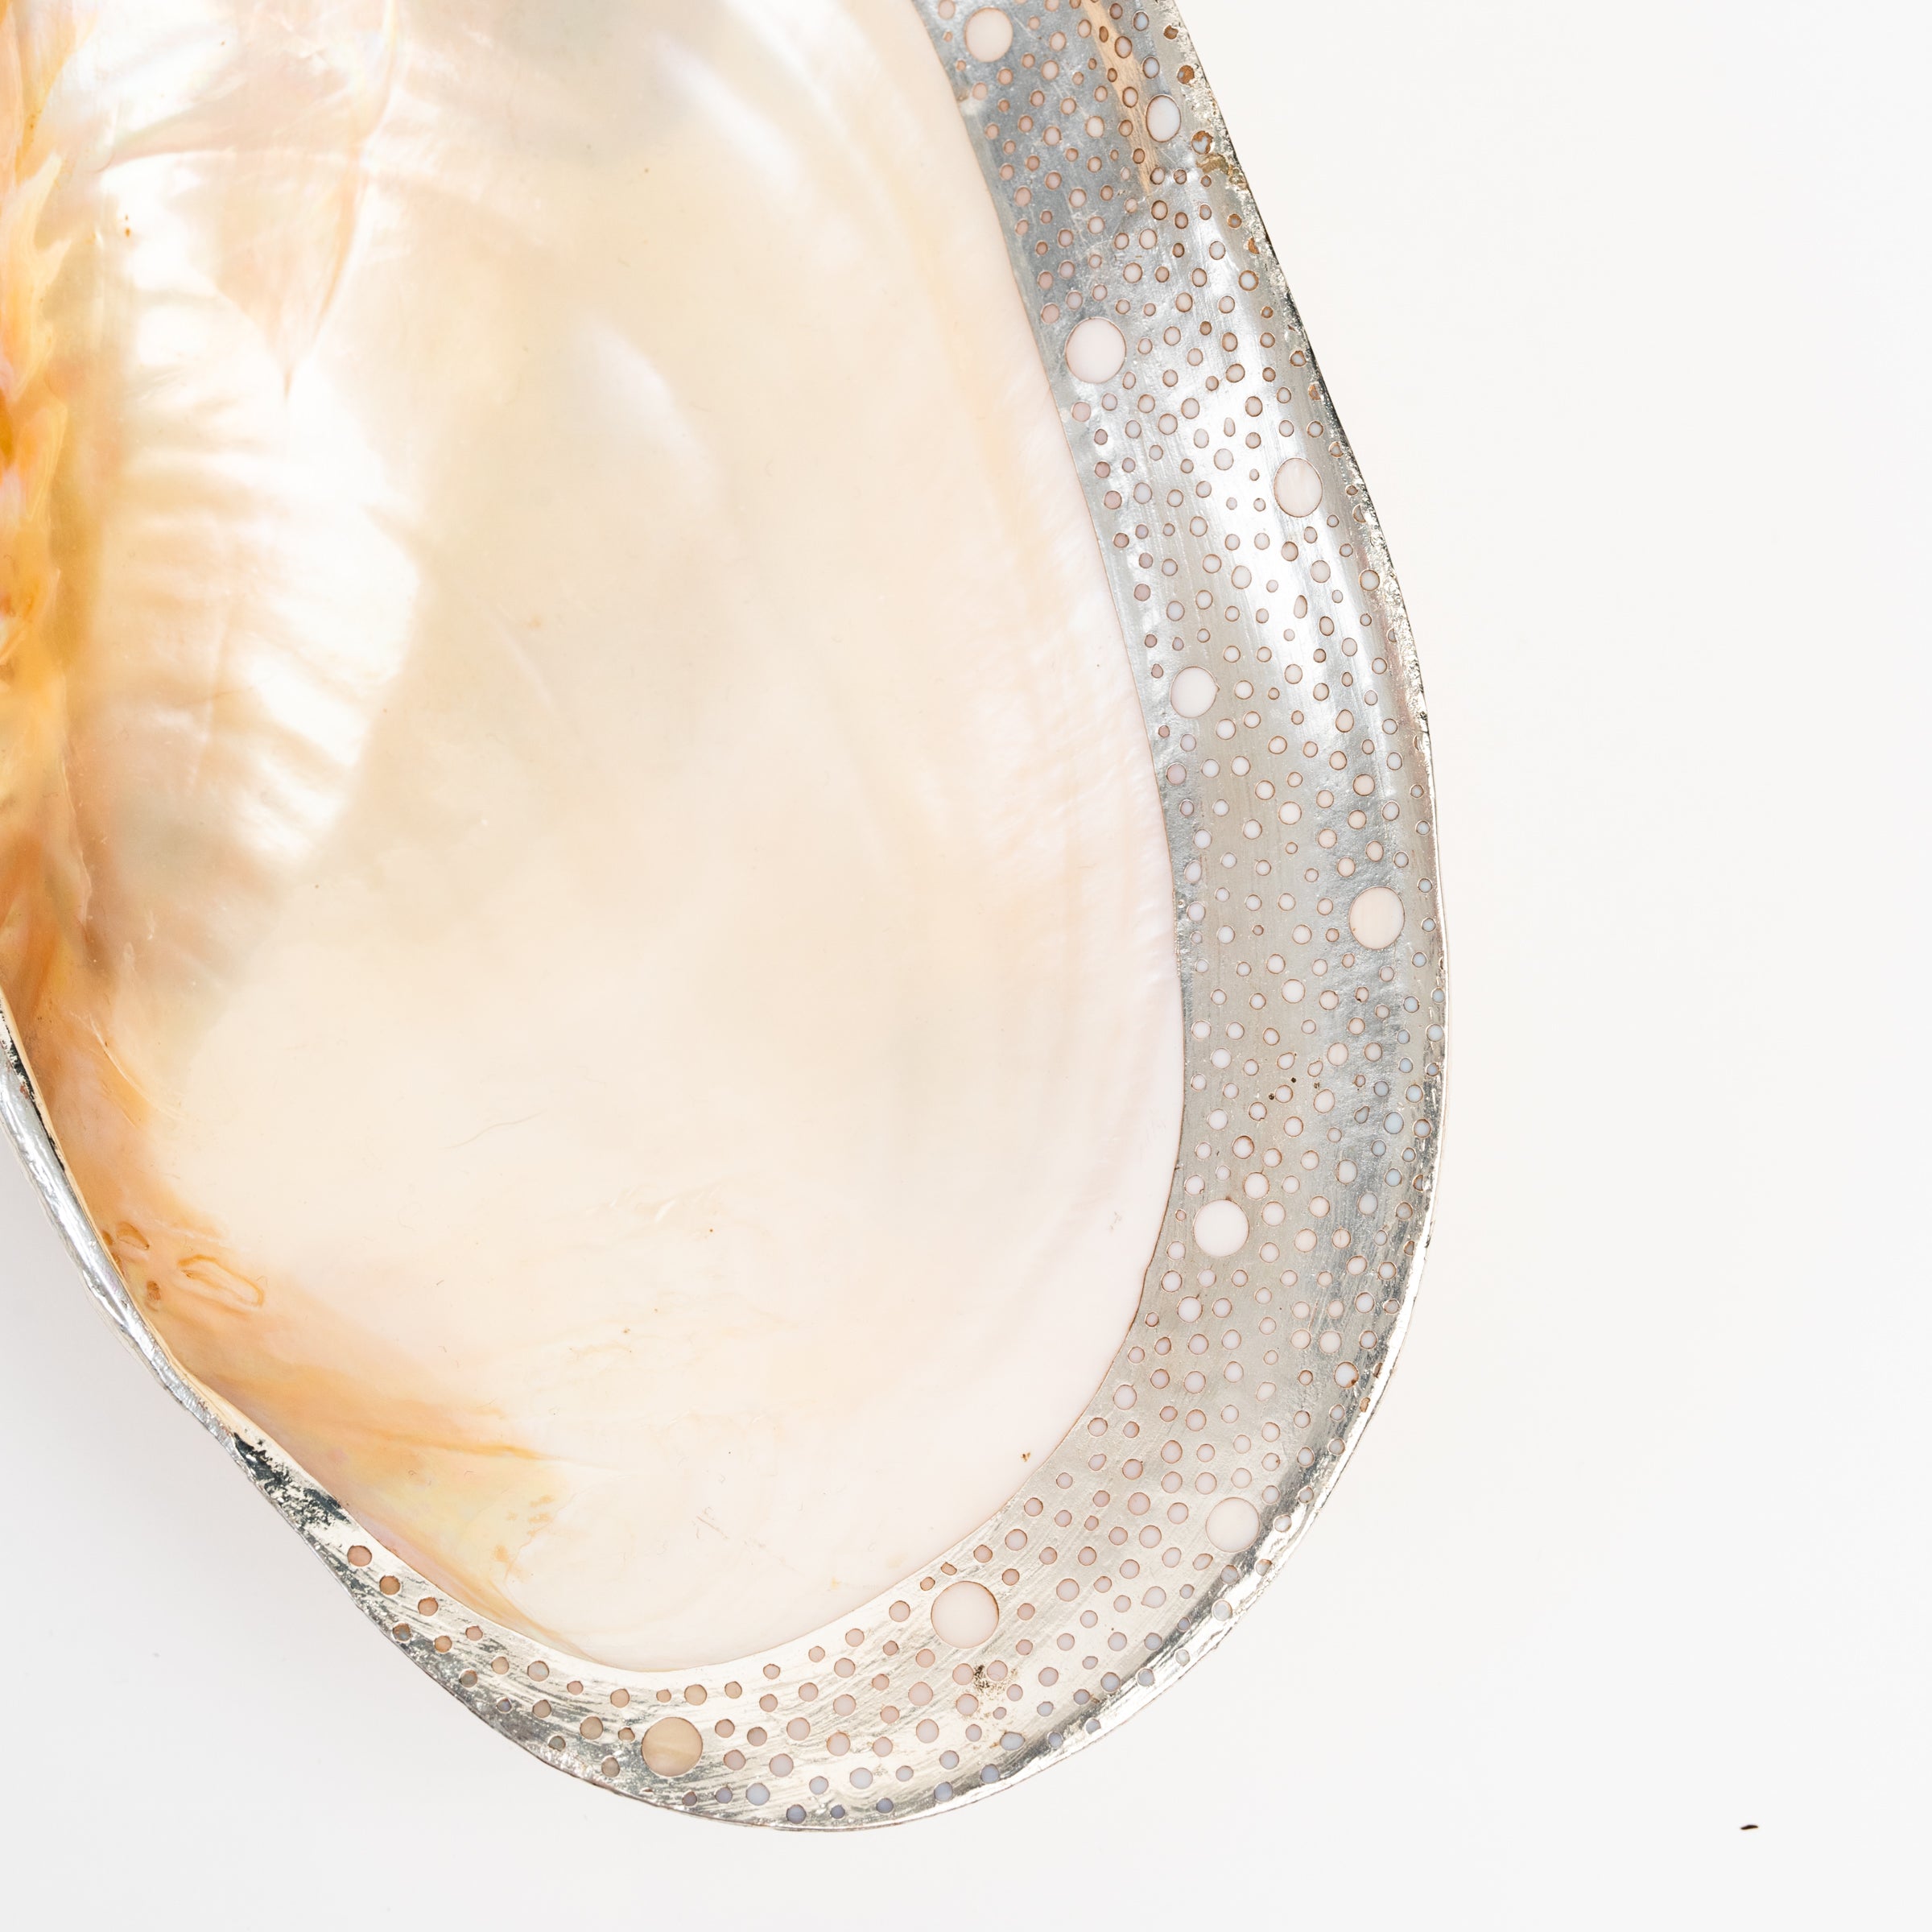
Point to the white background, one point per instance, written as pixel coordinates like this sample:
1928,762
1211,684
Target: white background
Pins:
1624,310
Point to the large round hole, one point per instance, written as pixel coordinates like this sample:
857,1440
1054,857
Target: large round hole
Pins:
1233,1523
671,1746
1220,1228
1096,349
1193,692
1163,117
1298,487
989,34
964,1615
1375,918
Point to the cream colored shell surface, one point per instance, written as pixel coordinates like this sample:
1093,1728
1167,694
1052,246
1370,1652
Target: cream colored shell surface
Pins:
1285,719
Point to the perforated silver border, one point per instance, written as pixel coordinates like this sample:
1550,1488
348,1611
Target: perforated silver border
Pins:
1132,429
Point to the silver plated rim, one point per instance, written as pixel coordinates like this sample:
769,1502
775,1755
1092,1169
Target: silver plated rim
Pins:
1110,1577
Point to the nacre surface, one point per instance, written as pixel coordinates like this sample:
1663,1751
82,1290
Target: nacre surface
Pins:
579,867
